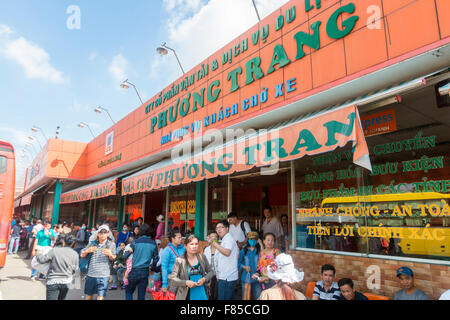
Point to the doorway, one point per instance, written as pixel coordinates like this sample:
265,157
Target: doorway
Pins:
251,192
155,203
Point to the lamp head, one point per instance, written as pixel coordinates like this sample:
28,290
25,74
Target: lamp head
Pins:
81,125
98,110
34,129
124,84
162,51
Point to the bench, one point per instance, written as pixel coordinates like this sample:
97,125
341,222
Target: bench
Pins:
310,290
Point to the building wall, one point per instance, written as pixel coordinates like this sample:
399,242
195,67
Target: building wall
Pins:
408,28
432,279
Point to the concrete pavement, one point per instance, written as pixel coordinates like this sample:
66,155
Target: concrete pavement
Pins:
15,283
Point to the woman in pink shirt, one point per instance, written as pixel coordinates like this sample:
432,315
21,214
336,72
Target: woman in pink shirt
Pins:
160,228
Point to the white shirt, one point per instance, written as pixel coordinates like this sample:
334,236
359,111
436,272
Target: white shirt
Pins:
37,228
445,295
274,226
236,231
209,256
228,266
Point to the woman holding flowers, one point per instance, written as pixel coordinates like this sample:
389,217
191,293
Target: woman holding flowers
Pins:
266,258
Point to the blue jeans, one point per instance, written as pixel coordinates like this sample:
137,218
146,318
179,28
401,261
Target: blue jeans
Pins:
226,289
57,291
98,286
120,273
137,278
14,244
256,290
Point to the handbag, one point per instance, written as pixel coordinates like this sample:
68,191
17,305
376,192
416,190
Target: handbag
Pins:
160,295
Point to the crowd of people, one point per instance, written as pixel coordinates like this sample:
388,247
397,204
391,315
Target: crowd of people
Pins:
238,263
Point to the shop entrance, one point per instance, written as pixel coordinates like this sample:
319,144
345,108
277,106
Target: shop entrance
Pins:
154,206
251,192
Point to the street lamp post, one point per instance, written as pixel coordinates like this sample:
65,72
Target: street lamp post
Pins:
99,111
126,84
36,129
82,125
256,9
32,145
163,51
32,138
29,149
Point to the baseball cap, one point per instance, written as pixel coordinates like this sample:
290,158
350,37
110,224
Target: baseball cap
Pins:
405,271
103,227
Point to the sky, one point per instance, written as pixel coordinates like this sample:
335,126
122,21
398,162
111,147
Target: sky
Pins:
61,59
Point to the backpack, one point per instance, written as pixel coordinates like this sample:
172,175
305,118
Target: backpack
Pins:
243,227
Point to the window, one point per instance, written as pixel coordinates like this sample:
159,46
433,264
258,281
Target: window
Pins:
3,164
401,208
109,143
182,207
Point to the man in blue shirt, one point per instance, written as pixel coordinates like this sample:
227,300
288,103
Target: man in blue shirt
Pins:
144,252
348,292
15,237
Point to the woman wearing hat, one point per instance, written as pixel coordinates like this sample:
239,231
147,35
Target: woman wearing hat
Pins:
248,263
283,272
160,228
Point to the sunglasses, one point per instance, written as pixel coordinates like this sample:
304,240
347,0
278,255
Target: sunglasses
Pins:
103,231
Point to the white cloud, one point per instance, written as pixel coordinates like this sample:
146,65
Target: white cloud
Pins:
5,31
198,28
118,68
34,60
15,136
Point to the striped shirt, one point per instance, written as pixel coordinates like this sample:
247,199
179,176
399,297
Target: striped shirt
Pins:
332,294
99,264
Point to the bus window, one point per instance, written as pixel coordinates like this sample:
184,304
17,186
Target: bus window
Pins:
2,164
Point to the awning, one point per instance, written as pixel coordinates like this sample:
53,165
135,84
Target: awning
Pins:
26,200
95,190
322,132
17,203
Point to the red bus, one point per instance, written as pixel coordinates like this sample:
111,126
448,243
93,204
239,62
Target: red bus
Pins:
7,181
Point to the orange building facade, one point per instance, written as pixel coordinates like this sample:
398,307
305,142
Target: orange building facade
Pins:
336,121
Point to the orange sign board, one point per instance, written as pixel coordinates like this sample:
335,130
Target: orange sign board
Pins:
379,123
301,49
313,136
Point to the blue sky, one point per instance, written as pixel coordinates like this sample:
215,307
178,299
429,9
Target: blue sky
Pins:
53,76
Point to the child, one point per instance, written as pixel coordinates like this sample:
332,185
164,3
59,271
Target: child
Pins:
119,267
129,261
248,263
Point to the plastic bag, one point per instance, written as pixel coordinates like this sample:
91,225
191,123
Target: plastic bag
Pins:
157,285
160,295
41,268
